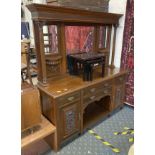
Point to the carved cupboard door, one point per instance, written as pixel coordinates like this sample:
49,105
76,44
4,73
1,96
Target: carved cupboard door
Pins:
70,122
119,95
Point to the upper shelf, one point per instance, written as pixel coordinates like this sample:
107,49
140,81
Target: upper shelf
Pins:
49,13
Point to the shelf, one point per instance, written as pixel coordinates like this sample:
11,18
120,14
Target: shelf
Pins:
94,119
45,129
96,111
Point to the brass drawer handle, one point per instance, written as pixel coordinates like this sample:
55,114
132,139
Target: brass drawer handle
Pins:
92,90
121,78
92,97
105,91
71,98
106,84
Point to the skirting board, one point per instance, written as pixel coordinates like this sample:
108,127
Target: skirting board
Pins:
129,104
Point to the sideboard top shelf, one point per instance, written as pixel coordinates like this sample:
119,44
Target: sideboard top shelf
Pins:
43,12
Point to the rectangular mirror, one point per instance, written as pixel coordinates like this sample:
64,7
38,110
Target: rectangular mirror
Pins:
50,39
79,39
52,55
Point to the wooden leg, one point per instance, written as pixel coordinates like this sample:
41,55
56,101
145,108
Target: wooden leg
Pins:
52,141
56,147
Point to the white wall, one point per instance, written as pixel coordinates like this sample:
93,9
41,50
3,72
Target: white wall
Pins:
28,17
118,6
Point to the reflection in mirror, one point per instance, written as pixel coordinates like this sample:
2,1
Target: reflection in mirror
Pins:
50,39
52,56
79,39
103,37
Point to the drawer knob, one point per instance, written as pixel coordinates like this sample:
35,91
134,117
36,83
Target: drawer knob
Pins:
105,91
92,90
71,98
121,78
92,97
106,84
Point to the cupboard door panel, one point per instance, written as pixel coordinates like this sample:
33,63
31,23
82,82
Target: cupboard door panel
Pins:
69,120
119,95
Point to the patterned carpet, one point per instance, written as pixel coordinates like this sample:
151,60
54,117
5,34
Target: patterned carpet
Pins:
87,144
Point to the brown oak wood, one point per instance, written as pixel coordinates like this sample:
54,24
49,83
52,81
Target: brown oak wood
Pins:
71,93
30,106
119,91
68,101
42,12
62,16
45,129
69,119
39,45
68,84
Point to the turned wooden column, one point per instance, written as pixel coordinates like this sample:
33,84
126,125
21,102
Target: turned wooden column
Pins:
113,47
39,45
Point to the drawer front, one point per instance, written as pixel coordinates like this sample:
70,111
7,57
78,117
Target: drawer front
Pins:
107,84
69,98
98,95
90,90
97,88
120,80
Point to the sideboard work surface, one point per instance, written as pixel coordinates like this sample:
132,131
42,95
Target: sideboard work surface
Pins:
73,105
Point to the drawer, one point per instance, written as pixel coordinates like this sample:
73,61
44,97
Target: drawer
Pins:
107,84
120,80
90,90
98,95
63,100
97,88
